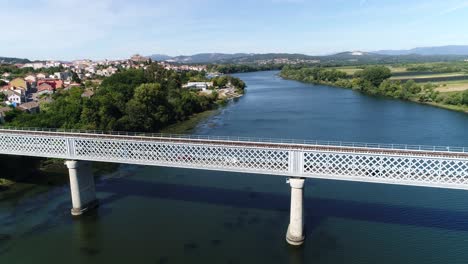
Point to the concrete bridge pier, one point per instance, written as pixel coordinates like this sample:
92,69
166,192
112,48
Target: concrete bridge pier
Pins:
83,191
295,234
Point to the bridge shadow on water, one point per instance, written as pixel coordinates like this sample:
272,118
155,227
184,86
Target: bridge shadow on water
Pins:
316,209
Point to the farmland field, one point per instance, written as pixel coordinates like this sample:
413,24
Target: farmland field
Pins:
453,86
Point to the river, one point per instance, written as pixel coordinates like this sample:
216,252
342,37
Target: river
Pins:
165,215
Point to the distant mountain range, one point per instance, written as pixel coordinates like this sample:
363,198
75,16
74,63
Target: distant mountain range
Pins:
429,51
160,57
444,52
349,57
244,57
423,54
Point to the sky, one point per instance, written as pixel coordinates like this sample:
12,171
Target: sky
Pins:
113,29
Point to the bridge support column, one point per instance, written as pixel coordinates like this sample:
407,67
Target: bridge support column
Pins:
295,234
82,187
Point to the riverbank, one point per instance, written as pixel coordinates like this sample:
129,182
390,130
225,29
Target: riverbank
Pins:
189,124
427,94
455,108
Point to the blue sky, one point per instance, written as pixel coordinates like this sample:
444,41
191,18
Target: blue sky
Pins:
97,29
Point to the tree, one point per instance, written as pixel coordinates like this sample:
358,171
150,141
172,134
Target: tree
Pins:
465,97
76,78
412,87
148,109
374,74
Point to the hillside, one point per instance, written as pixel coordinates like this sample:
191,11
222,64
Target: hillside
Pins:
428,51
6,60
201,58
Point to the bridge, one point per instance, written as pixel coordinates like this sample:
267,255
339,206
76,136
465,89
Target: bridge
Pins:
429,166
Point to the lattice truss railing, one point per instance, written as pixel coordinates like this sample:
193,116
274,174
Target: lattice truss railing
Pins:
385,168
185,155
415,170
53,147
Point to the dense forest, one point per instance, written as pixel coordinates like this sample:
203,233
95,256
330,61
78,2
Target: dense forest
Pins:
375,80
132,100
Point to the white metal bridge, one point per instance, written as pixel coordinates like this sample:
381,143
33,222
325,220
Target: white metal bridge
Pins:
444,167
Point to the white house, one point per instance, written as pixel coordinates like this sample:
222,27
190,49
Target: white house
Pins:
202,86
14,96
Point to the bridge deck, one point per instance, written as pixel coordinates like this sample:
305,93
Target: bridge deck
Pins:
408,165
261,144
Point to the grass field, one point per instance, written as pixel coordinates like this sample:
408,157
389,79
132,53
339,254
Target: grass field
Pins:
350,70
428,76
453,86
446,86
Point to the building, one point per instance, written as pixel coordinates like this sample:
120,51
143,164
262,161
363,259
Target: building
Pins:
202,86
45,88
30,107
139,58
35,65
30,78
41,76
14,96
6,75
19,83
62,75
56,84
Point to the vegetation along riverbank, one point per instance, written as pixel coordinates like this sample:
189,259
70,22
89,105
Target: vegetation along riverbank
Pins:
443,85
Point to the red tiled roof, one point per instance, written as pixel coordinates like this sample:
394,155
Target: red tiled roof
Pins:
45,87
56,84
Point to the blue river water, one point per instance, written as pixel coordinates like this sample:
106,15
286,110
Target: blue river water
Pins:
166,215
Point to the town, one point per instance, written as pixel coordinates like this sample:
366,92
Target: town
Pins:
26,87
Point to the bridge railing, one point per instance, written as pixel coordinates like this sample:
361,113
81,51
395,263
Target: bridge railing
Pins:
246,139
